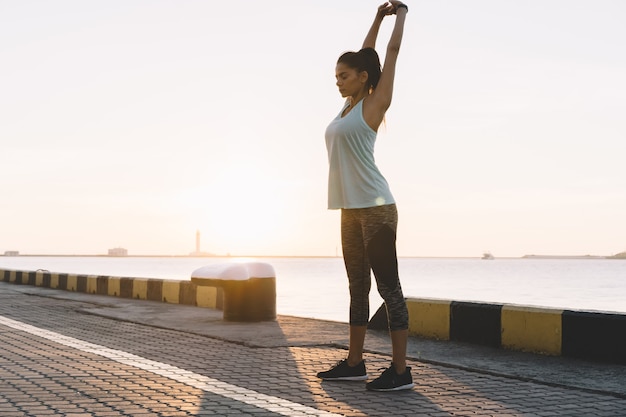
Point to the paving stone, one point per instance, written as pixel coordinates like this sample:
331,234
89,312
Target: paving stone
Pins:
87,384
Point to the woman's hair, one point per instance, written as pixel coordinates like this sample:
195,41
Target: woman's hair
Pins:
364,60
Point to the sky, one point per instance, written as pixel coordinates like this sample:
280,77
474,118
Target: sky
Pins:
136,123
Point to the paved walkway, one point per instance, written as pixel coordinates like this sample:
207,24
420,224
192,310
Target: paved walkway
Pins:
79,355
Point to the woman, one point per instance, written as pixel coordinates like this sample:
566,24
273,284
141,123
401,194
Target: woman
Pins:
368,211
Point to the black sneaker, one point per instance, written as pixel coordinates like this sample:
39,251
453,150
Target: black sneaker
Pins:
389,380
344,372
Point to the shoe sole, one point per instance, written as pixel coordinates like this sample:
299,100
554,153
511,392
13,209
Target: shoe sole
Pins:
399,388
346,378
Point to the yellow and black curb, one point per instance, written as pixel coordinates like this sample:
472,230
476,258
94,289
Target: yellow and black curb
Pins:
599,336
580,334
169,291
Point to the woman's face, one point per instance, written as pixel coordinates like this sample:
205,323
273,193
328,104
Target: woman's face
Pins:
349,80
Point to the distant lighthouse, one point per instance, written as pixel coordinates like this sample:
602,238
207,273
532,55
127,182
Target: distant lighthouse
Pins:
198,252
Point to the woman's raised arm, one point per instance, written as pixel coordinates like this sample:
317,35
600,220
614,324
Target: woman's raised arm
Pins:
380,100
370,39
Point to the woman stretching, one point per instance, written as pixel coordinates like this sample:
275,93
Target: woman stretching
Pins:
368,212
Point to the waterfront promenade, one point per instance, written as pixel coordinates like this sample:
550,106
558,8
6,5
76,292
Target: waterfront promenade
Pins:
74,354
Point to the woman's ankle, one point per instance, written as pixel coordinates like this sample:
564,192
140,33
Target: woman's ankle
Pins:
352,362
400,368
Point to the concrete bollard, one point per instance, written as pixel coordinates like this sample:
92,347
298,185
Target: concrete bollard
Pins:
249,289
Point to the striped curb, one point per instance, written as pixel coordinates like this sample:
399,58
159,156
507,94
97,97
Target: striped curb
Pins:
598,336
153,289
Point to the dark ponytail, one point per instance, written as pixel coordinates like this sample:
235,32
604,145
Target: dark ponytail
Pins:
364,60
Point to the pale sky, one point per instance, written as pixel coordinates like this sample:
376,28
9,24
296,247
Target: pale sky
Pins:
136,123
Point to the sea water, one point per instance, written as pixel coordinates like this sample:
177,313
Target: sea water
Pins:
318,288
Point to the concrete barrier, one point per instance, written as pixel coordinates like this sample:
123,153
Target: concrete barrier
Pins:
598,336
532,329
169,291
594,335
249,289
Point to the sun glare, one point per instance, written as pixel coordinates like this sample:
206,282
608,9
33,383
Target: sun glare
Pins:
240,213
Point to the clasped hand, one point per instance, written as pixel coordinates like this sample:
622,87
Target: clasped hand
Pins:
388,8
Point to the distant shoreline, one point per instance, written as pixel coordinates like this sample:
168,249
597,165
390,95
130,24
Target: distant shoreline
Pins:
160,256
591,257
564,257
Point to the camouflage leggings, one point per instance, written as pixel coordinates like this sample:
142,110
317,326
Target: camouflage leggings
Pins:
368,238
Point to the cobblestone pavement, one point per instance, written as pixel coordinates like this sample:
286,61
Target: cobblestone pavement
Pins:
56,359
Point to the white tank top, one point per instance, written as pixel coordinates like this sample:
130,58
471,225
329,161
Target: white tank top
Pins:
354,180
